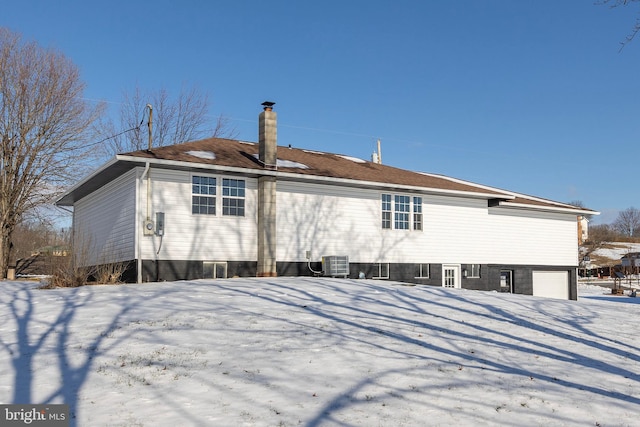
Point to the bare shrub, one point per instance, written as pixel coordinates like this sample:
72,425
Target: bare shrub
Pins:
74,270
110,273
69,276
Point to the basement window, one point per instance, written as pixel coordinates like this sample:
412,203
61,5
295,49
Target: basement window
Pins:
422,271
474,270
381,270
233,191
214,270
203,199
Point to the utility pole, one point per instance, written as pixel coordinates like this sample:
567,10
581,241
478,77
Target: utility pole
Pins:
150,123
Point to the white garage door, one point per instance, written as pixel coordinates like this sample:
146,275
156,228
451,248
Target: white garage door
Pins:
551,284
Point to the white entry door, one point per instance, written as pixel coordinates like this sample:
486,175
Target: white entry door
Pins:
451,275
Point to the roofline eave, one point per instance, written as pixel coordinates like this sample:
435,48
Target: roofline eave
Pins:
63,200
317,178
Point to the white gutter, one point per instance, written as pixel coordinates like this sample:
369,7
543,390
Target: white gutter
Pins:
575,211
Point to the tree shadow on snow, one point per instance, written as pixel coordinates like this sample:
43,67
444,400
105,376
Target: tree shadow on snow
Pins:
431,309
47,338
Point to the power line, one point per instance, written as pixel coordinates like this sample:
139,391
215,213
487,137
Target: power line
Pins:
121,133
114,136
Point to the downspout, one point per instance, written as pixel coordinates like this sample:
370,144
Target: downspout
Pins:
146,174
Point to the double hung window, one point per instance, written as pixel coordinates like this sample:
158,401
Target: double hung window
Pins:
401,212
204,194
233,191
406,210
417,213
203,199
386,211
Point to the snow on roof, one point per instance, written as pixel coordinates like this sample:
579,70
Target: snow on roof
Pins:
353,159
202,154
290,164
287,163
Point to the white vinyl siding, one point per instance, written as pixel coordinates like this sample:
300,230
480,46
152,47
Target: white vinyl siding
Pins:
333,220
326,219
104,223
196,237
466,230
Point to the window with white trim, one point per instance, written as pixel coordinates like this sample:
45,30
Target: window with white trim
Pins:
386,211
233,191
407,212
474,270
417,213
422,271
203,199
401,212
381,270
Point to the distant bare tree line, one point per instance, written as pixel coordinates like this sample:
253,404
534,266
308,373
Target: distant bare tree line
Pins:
625,228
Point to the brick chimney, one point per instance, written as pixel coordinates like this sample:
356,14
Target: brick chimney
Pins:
267,143
268,135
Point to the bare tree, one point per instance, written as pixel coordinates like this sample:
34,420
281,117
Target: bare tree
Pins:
599,236
175,120
628,222
44,123
35,234
635,28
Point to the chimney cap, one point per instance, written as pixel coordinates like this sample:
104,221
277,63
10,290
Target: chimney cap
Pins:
268,105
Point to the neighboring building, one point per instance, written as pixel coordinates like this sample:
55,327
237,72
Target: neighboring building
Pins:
583,229
631,262
224,208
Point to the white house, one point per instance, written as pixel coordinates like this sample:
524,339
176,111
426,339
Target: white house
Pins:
224,208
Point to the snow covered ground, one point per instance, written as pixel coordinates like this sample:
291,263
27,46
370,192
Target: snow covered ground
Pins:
616,250
320,352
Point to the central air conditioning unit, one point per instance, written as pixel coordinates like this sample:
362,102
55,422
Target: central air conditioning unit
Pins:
335,266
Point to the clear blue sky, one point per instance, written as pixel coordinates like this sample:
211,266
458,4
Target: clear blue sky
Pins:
531,96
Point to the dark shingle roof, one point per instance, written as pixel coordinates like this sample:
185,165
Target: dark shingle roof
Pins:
299,164
240,154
